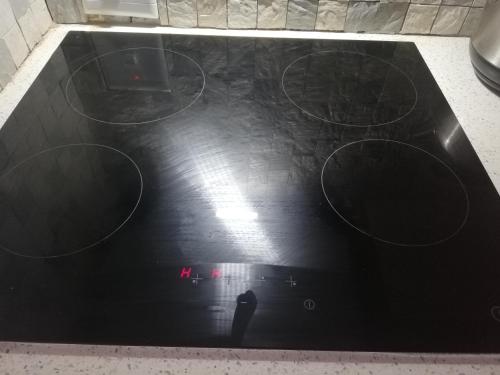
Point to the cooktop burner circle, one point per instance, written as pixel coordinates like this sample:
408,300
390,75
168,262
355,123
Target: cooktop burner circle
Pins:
349,88
135,86
67,199
395,192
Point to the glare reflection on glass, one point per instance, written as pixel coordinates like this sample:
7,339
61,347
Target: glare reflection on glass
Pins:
230,205
236,213
451,135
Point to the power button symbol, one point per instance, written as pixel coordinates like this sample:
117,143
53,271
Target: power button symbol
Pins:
309,304
495,313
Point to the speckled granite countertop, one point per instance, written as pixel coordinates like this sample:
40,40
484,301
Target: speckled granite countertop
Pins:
478,111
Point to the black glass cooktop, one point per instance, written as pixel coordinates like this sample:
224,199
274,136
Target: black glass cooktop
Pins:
238,192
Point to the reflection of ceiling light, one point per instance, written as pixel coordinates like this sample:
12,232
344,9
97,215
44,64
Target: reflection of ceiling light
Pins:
451,135
229,203
236,214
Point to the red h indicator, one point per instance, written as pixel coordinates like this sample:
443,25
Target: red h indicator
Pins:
186,272
216,273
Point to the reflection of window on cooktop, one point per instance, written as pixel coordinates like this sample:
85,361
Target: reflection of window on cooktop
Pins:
269,193
133,85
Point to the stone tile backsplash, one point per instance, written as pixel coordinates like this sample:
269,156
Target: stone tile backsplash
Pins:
22,24
301,14
419,19
181,13
271,14
439,17
66,11
449,20
242,14
212,13
375,17
331,15
471,21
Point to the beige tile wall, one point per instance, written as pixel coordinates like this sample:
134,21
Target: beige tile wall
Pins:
22,24
439,17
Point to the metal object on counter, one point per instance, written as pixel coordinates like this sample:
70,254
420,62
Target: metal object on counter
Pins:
485,47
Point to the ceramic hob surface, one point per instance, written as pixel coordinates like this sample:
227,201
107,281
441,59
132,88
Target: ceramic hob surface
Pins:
211,191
